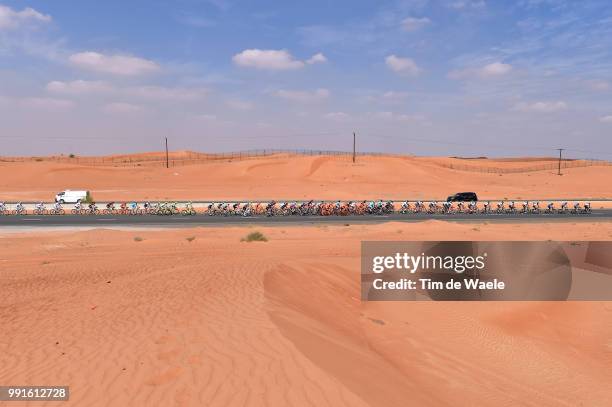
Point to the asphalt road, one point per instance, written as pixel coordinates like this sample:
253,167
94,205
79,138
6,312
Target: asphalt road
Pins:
177,220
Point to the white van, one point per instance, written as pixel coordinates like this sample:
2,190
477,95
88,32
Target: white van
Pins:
69,196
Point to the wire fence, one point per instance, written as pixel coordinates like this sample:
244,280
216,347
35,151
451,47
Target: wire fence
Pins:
552,166
185,158
182,158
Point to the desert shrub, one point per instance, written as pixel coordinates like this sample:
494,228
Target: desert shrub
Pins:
254,237
71,156
190,239
138,239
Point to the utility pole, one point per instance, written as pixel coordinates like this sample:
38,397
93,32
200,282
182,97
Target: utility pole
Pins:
559,170
354,137
167,163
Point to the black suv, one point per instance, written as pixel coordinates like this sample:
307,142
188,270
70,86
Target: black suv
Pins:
463,197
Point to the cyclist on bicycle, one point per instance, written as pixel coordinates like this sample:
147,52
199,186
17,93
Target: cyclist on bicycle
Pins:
19,208
550,207
57,206
587,207
110,206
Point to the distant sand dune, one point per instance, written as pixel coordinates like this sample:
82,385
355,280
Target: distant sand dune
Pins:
299,177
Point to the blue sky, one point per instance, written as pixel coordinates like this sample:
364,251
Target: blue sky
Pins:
452,77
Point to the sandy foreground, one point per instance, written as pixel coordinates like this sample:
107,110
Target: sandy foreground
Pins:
305,177
212,321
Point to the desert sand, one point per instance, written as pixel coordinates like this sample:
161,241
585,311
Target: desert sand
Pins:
212,321
303,177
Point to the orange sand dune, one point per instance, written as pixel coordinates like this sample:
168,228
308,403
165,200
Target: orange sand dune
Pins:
299,177
218,322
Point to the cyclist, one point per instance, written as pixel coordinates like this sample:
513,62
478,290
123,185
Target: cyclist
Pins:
472,207
270,208
19,208
535,206
446,207
40,208
2,208
587,207
550,208
512,206
564,207
487,204
110,206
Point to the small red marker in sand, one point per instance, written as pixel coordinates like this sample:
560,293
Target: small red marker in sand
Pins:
94,307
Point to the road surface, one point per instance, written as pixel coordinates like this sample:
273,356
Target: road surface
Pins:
202,220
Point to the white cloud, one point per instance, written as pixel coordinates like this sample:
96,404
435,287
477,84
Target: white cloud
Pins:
268,59
146,93
206,117
492,70
123,65
468,4
78,87
402,117
403,66
316,59
541,107
303,96
606,119
123,108
414,24
390,97
49,104
495,69
161,93
599,85
274,60
11,19
238,104
394,97
338,116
